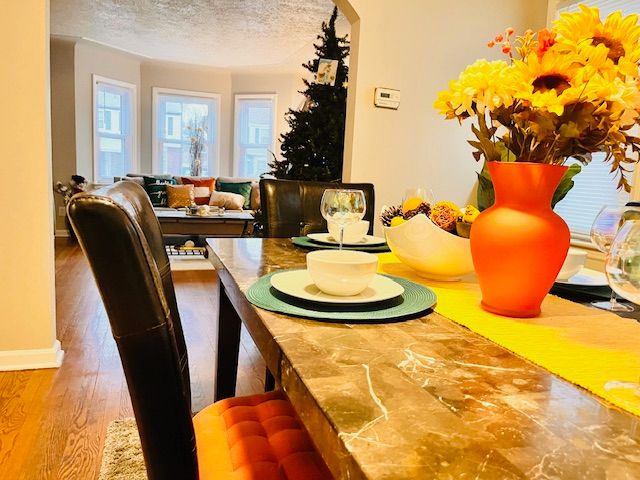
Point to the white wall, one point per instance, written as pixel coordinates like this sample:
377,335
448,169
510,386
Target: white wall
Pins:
418,46
91,59
27,300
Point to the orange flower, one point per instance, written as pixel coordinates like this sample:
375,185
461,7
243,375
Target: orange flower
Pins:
491,44
546,40
506,47
509,31
499,38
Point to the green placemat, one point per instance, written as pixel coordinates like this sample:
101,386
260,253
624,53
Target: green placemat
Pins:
415,300
306,242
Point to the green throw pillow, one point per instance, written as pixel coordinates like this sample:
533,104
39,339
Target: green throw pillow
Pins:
242,188
156,188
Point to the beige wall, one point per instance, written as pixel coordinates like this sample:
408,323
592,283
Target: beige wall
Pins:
63,117
185,77
27,303
418,47
90,59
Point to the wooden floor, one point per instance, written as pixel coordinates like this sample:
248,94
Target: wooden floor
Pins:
53,422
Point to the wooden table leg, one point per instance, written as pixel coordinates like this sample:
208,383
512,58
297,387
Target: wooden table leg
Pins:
229,325
269,381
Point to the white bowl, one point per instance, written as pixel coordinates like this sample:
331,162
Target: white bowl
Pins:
429,250
572,264
353,232
341,272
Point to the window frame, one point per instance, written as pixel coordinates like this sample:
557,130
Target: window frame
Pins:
577,239
236,119
214,170
96,79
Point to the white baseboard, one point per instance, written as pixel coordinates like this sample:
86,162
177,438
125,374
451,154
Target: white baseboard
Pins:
61,233
32,359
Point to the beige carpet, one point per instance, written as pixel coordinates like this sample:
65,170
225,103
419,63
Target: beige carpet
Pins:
122,455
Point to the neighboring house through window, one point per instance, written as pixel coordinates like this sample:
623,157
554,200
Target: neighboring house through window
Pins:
595,186
174,111
114,139
254,133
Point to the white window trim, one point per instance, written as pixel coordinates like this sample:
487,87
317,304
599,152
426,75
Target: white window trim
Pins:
214,170
95,79
247,96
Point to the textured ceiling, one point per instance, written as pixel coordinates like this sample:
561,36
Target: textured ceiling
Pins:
223,33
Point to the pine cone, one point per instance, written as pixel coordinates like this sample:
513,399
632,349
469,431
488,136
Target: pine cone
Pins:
424,207
389,213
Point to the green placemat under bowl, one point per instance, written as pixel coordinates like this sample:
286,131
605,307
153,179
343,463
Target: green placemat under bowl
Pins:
415,301
306,242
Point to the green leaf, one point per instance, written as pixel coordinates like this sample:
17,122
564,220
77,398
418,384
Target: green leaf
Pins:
486,195
566,184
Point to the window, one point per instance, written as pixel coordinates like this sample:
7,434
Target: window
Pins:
594,186
254,134
175,111
114,139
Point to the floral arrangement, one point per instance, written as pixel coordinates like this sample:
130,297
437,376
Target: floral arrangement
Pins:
197,132
565,92
77,184
446,215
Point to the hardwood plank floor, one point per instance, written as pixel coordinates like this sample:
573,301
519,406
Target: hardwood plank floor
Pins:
53,421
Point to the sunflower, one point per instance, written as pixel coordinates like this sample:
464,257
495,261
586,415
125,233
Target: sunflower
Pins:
481,85
547,83
583,32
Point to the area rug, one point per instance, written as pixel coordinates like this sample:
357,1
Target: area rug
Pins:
122,454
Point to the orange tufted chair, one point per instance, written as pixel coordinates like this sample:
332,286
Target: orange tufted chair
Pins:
245,438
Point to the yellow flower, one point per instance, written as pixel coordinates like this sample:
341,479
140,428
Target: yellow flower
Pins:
583,32
481,85
548,82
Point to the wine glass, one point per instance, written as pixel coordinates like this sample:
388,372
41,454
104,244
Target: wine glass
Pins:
343,207
603,232
623,262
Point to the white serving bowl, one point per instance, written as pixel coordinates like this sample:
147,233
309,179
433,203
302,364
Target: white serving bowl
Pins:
341,272
353,232
432,252
572,264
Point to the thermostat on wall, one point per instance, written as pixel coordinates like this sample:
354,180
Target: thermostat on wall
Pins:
387,98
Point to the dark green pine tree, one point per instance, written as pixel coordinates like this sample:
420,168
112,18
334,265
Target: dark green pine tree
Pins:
314,146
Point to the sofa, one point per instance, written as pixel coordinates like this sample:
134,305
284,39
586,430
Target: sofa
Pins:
176,224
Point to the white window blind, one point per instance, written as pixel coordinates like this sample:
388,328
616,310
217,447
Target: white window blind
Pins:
174,112
254,134
595,186
114,129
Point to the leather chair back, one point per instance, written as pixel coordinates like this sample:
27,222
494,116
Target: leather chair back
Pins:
121,237
291,208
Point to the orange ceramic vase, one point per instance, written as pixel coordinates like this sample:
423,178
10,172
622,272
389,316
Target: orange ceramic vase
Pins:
519,244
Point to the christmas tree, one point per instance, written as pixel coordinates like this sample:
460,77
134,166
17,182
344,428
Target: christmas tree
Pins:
313,148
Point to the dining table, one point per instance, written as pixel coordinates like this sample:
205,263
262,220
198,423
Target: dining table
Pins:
421,398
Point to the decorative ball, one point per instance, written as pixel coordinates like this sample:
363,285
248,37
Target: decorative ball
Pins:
411,204
395,221
445,216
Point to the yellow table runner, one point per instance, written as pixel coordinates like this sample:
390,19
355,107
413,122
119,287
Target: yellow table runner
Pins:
594,349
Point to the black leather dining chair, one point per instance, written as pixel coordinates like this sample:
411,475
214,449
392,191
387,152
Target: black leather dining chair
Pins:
291,208
121,237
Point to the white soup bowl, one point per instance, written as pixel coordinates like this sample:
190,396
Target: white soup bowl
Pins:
341,272
572,264
353,233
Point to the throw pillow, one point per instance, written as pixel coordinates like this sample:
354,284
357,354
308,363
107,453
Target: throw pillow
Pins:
200,183
241,188
227,200
179,196
156,188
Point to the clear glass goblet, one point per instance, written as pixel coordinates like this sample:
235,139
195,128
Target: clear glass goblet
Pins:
603,231
343,207
623,262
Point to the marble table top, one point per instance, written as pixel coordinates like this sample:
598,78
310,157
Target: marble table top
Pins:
424,398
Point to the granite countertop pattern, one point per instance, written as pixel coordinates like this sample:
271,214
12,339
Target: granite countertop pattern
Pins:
425,398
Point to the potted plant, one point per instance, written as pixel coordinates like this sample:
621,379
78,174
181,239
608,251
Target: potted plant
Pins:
562,93
77,184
